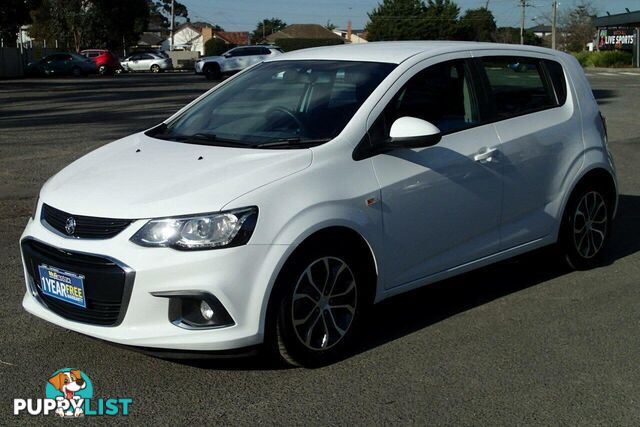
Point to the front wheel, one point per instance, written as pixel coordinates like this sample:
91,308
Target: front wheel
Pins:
155,68
103,70
320,301
212,72
586,227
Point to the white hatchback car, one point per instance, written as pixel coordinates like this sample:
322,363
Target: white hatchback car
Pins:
279,205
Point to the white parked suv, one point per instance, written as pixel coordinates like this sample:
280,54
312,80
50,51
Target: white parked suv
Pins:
279,205
234,60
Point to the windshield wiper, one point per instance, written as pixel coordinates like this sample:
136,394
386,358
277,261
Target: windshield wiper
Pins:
291,143
202,138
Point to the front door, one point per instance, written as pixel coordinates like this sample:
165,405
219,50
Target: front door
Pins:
441,204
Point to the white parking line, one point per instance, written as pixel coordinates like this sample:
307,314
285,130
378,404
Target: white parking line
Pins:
606,74
630,74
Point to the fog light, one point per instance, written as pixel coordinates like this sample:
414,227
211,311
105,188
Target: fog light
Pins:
195,310
206,310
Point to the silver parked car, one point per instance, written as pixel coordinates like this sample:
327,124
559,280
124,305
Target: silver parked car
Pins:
147,62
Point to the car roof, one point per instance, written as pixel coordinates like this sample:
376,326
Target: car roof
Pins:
396,52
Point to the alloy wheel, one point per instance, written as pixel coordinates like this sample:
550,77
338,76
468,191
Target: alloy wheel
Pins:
590,223
324,303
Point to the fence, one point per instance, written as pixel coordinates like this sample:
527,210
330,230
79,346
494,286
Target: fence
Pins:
13,61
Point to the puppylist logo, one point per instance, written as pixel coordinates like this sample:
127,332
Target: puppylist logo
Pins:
69,393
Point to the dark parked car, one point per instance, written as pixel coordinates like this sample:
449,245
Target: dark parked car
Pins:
106,62
67,64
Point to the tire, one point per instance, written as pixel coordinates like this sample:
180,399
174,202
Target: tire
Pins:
586,226
155,68
103,70
76,72
119,70
212,72
314,325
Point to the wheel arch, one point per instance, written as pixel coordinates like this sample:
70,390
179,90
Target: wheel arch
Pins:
347,236
599,174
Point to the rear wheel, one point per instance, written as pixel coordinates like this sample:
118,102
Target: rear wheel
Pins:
212,72
155,68
586,227
103,70
319,301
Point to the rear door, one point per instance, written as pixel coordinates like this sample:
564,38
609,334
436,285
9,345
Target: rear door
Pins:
258,54
145,62
541,140
61,63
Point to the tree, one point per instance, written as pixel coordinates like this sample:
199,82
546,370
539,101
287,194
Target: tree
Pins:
13,15
67,21
118,22
511,35
330,25
413,20
396,20
441,20
577,26
215,47
94,23
267,27
477,25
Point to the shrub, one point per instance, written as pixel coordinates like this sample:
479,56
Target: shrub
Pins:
608,58
215,47
583,58
295,44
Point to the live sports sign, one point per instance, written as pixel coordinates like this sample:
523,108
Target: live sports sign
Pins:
616,38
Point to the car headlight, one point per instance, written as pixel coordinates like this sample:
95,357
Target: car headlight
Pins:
207,231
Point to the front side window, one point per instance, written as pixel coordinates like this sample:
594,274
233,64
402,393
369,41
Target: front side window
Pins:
297,101
517,85
441,94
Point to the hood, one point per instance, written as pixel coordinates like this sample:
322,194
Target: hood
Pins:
142,177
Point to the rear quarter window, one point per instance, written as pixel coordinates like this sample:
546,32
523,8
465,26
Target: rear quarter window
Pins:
518,86
556,73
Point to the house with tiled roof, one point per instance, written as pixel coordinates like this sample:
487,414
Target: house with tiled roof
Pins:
303,31
192,36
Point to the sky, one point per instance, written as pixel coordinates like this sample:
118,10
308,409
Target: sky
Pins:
243,15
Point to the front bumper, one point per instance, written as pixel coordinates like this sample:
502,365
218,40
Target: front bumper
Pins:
240,278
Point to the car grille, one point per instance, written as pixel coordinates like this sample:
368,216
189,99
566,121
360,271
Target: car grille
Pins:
85,226
107,285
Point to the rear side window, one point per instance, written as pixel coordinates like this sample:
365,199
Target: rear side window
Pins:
557,78
518,85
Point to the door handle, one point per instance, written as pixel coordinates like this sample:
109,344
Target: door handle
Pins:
485,154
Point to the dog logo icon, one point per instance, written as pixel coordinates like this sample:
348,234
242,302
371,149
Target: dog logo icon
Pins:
69,387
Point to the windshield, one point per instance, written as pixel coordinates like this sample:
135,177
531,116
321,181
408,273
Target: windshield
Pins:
291,102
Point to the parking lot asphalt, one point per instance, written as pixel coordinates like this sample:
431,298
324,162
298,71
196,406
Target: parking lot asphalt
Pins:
521,342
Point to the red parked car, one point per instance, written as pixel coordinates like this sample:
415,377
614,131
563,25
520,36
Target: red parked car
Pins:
106,62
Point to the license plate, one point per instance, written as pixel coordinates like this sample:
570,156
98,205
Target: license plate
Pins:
63,285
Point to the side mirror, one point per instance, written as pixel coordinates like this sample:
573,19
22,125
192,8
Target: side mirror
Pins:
411,132
226,55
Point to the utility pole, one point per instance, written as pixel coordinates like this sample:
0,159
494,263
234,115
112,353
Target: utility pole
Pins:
173,24
553,24
523,4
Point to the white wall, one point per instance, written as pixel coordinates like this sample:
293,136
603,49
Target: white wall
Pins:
188,36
